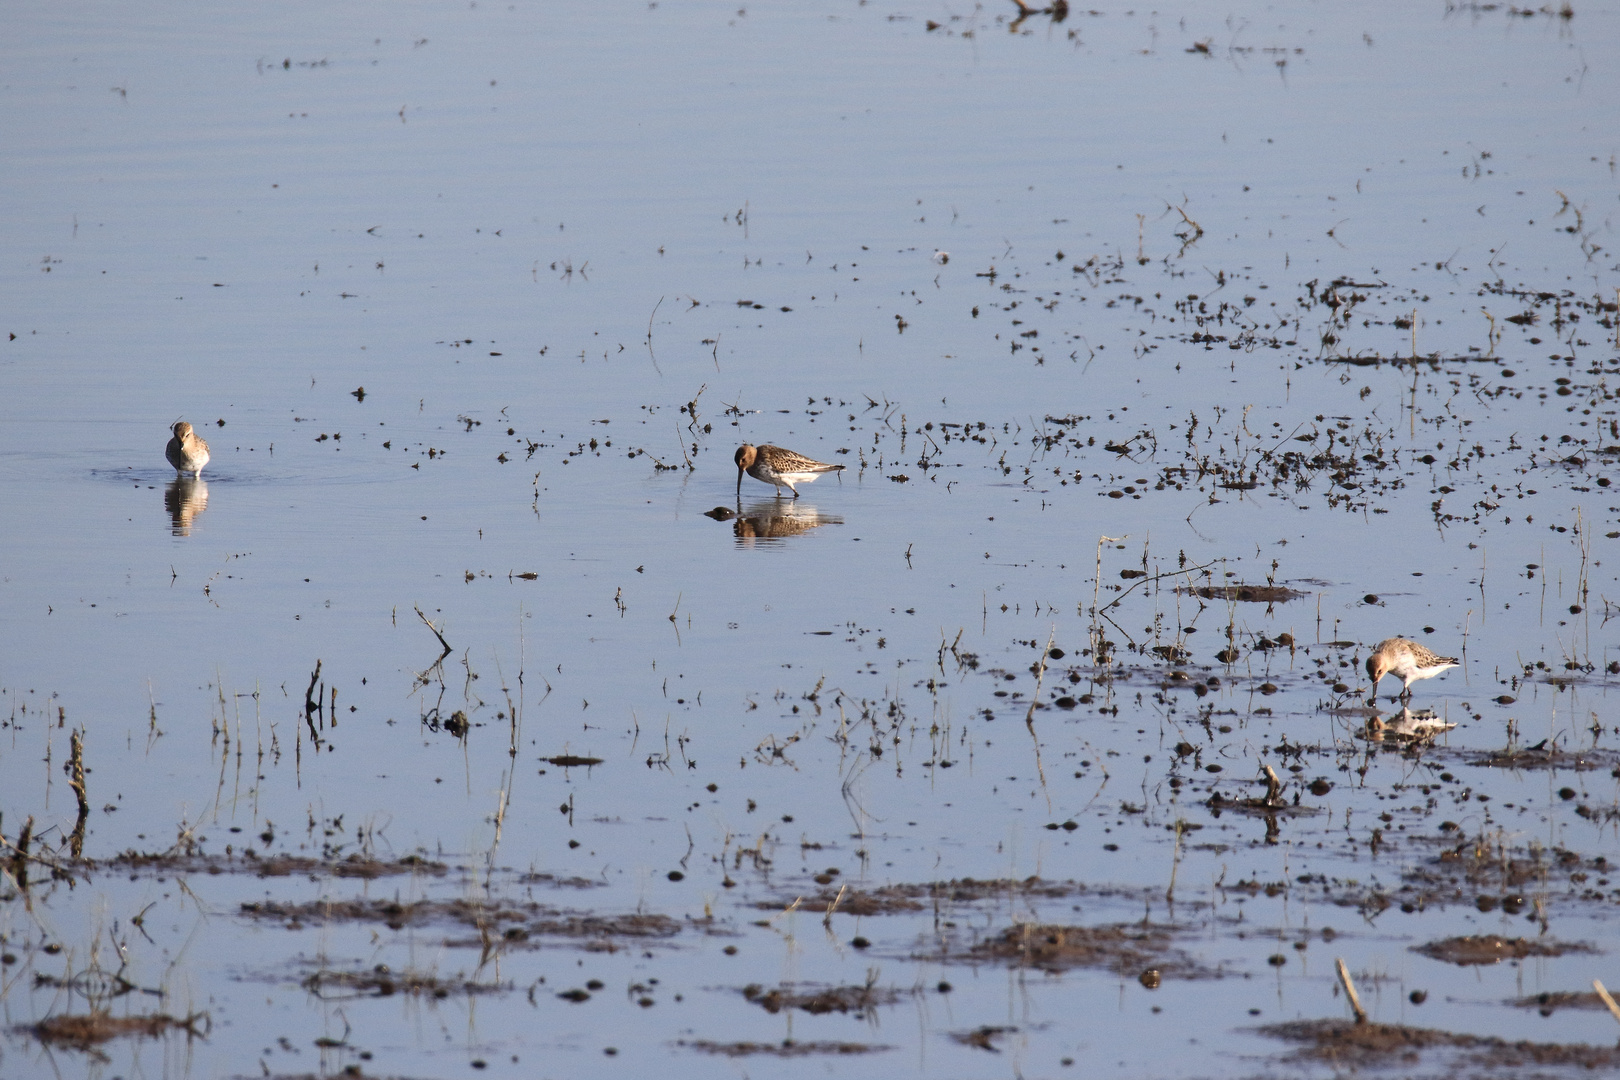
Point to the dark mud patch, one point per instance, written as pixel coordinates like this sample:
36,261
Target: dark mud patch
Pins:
1257,807
1550,1001
86,1032
1256,594
1493,949
355,866
513,923
1345,1043
902,898
1125,949
788,1049
1484,873
382,982
1543,756
983,1037
858,1000
567,761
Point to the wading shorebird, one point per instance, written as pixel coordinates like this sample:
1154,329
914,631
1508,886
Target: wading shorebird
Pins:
186,451
777,466
1406,659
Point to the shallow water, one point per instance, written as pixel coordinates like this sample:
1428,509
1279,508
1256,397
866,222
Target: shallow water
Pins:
474,304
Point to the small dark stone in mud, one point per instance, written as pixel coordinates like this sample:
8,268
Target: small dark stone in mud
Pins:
1268,688
676,875
1228,656
1320,786
1277,959
1574,609
1341,688
1056,653
720,513
1485,903
479,1063
576,996
1512,904
1086,699
860,943
1070,825
1150,978
1418,997
8,958
1212,768
1372,598
1566,793
1065,702
944,987
1505,699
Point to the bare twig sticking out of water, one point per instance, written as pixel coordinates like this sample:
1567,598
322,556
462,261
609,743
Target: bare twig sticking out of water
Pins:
76,782
1175,863
1273,786
826,920
1029,717
312,704
443,643
649,334
19,857
1614,1010
1350,991
1040,673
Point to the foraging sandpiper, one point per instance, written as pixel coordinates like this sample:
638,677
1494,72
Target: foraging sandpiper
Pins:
777,466
187,451
1406,659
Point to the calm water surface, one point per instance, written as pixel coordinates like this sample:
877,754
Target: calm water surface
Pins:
474,303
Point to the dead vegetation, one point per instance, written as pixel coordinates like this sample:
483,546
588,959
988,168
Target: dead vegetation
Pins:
1346,1044
1493,949
786,1049
84,1032
1125,949
512,922
380,981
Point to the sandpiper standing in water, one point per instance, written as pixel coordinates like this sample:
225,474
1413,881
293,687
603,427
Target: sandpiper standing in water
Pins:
777,466
187,451
1406,659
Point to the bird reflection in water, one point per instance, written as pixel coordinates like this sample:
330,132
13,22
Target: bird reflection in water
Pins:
772,519
1407,726
184,498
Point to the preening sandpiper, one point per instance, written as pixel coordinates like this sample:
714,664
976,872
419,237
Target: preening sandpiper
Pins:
1406,659
777,466
187,451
